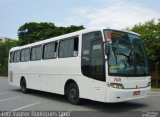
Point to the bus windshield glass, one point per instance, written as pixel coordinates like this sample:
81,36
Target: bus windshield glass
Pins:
126,54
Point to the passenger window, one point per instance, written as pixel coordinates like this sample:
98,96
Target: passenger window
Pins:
49,50
22,55
33,53
97,60
25,54
16,56
36,53
68,48
11,57
92,64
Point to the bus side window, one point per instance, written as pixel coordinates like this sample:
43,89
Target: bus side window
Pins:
92,62
97,60
16,57
25,54
49,50
11,57
22,55
36,53
68,47
75,46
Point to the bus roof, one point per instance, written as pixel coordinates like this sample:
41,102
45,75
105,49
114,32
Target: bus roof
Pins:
68,35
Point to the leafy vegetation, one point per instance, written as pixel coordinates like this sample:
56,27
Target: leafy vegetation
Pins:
150,32
32,32
4,50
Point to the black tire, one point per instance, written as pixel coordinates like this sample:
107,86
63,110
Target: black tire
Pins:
23,85
73,93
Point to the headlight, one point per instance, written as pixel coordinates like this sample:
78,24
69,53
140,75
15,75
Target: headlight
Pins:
116,85
149,84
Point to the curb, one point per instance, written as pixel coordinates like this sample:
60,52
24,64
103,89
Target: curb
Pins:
3,77
156,89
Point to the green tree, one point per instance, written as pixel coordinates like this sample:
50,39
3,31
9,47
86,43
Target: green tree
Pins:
150,32
72,28
4,52
32,32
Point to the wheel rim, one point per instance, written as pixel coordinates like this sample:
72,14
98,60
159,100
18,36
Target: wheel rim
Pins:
73,93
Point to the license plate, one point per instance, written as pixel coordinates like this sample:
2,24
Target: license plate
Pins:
136,93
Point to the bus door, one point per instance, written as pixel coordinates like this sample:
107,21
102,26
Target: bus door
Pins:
93,65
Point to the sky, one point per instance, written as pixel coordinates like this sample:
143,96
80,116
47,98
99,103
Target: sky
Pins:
117,14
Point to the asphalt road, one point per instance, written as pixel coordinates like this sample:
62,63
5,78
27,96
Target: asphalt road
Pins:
11,99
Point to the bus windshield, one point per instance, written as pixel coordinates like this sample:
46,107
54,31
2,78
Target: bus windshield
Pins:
126,54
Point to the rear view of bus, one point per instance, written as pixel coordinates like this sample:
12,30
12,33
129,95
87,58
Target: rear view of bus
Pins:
128,70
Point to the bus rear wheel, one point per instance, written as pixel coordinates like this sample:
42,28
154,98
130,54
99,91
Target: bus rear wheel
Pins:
73,93
23,85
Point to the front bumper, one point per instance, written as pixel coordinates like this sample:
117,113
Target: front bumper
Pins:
120,95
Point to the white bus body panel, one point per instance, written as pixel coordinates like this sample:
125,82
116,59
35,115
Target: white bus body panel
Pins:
131,84
51,75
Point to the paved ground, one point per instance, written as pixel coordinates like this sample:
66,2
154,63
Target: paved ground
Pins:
11,99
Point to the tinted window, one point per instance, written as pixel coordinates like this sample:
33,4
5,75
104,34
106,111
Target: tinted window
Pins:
16,56
68,48
22,55
93,56
11,57
49,50
36,53
25,54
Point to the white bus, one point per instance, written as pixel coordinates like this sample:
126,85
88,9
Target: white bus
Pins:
101,64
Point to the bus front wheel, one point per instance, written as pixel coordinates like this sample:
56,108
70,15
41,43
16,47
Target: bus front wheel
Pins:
23,85
73,93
